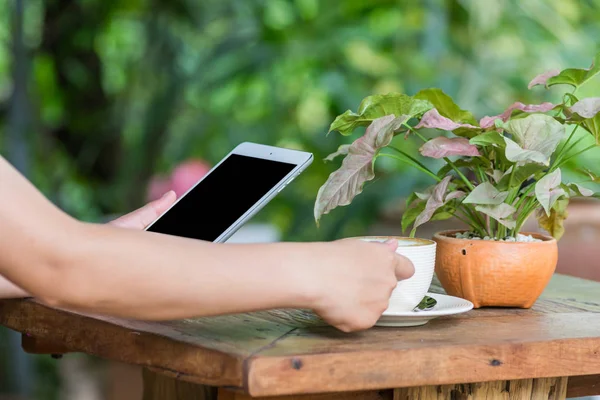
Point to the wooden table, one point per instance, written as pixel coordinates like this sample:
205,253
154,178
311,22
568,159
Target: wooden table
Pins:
549,352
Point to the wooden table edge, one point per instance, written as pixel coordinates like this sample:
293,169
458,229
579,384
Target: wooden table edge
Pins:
292,369
125,341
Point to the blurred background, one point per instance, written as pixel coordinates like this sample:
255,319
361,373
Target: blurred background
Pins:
106,104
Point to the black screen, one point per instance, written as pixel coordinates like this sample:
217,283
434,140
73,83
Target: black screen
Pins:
222,197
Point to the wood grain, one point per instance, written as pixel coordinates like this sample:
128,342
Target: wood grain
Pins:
582,386
284,352
522,389
225,394
160,387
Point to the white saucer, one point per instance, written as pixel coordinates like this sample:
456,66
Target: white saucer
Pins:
446,305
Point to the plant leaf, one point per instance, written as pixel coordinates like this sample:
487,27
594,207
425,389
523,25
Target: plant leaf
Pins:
497,175
587,108
446,106
357,168
462,163
542,78
488,122
521,174
536,132
377,106
486,193
516,154
493,138
341,151
554,223
548,190
593,126
409,216
502,213
592,175
441,147
575,76
579,190
433,120
457,194
434,202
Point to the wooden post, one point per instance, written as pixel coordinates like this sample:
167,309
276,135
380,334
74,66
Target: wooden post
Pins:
162,387
534,389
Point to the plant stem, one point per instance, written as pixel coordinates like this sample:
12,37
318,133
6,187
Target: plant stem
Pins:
430,172
460,174
409,162
564,146
564,161
524,197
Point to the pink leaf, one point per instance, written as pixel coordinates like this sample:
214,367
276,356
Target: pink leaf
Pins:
434,202
433,119
357,167
542,78
488,122
457,194
441,147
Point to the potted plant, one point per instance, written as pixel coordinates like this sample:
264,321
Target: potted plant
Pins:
497,172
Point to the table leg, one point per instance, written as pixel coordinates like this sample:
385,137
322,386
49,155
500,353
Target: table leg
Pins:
162,387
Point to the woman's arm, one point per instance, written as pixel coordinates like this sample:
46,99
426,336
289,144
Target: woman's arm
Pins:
137,219
122,272
9,290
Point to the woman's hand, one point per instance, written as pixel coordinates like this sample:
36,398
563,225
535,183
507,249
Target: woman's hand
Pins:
354,281
142,217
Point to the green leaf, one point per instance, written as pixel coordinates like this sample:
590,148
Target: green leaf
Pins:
594,177
442,215
491,138
378,106
462,163
411,214
487,194
446,106
521,174
554,223
576,77
593,126
357,168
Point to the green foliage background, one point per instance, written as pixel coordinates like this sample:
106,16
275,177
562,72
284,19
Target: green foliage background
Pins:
104,94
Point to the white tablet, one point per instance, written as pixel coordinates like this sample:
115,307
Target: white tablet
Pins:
231,193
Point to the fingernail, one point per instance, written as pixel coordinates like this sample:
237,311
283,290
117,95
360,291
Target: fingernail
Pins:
164,196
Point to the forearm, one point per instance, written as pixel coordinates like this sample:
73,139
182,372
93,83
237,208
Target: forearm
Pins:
150,276
9,290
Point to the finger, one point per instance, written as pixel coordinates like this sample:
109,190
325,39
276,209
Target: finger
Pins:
392,244
141,218
404,268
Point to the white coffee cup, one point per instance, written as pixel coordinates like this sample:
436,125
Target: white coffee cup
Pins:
421,252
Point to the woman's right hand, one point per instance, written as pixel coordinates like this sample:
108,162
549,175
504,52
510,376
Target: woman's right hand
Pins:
354,280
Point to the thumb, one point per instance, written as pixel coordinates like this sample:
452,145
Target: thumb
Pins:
142,217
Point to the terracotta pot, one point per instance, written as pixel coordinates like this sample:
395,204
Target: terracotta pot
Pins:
496,274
